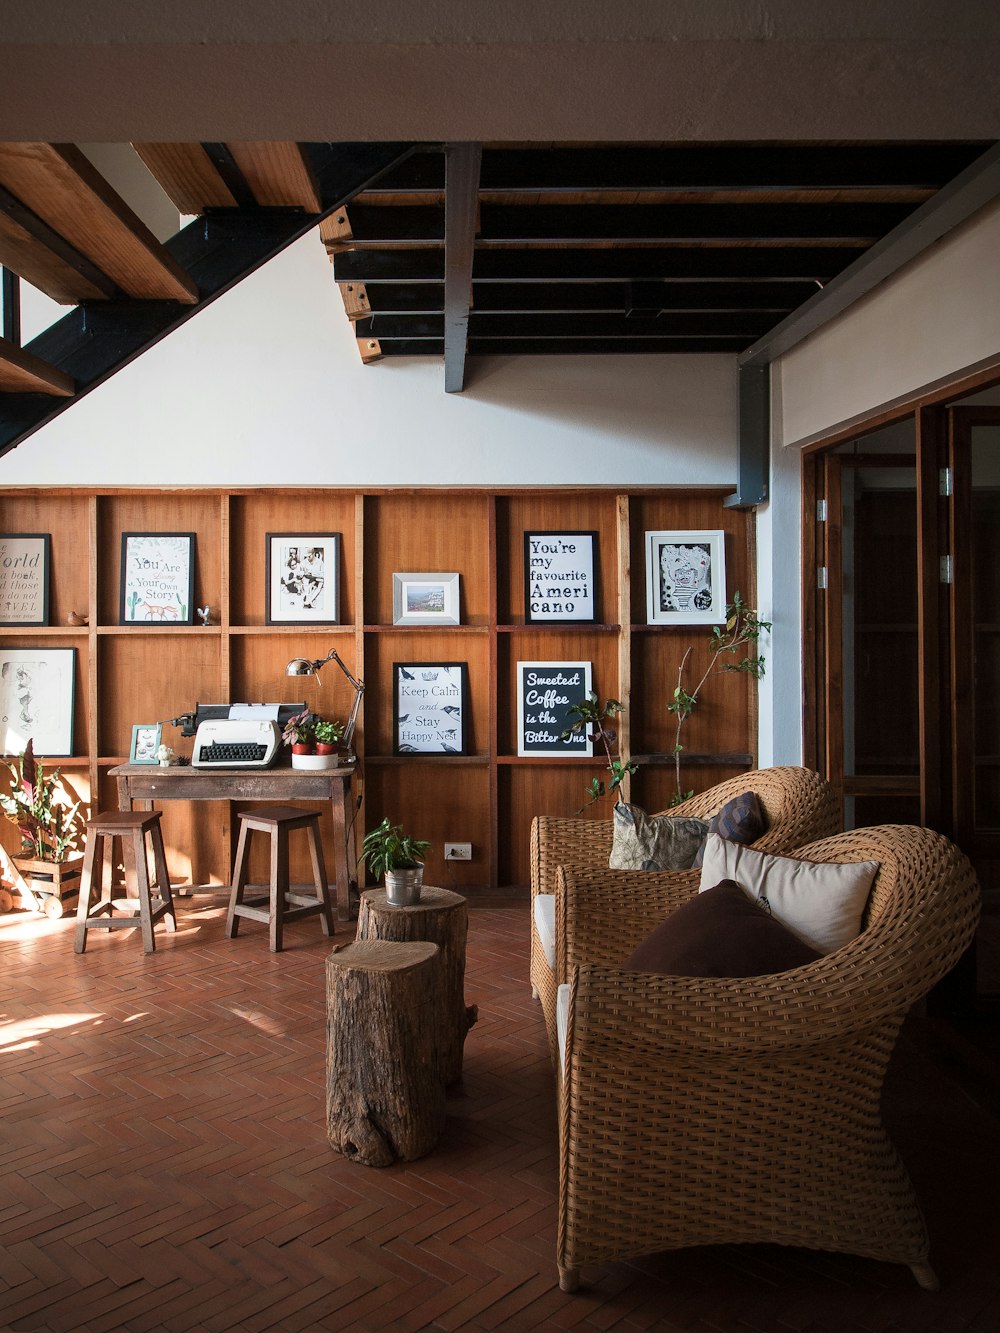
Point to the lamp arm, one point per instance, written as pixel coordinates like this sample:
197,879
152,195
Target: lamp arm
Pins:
359,689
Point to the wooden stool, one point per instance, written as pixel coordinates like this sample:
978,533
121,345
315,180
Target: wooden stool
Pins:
132,827
442,917
385,1099
278,821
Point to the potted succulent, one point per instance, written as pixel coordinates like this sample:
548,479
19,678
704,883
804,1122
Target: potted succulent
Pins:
48,828
328,734
399,857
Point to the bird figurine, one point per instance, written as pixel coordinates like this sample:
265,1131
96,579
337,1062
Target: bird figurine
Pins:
205,614
77,618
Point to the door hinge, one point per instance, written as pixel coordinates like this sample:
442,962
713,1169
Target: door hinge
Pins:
946,570
820,511
821,577
945,482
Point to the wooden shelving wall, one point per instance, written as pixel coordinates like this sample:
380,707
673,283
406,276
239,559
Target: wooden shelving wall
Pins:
128,674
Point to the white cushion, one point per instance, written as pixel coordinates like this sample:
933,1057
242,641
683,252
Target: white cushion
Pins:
821,902
545,924
562,1023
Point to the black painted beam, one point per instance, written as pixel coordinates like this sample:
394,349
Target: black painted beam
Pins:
701,264
10,306
753,450
847,224
233,178
462,176
516,327
432,347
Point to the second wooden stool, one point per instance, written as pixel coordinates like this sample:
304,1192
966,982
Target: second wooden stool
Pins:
132,827
281,904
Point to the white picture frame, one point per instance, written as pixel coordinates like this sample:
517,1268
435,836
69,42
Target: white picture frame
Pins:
302,578
37,692
425,599
686,577
545,692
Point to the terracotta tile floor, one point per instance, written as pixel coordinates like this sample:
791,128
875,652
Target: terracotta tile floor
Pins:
164,1166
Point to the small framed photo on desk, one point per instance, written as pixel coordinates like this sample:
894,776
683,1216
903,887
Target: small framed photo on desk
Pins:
145,743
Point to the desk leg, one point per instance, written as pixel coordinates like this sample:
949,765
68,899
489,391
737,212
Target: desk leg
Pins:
345,851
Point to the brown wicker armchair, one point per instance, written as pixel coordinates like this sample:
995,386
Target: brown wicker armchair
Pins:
800,807
698,1112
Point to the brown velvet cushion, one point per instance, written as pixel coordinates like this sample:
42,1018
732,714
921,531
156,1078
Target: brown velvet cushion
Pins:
720,933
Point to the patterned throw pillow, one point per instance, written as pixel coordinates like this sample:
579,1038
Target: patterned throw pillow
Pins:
720,933
740,820
654,842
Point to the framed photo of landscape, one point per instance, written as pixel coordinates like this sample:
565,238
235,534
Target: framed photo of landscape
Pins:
425,599
24,578
37,690
686,577
157,578
560,577
303,578
428,706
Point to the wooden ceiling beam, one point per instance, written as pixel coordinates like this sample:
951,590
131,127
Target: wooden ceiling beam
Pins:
278,175
187,176
60,186
21,372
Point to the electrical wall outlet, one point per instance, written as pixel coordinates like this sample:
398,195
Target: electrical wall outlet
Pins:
458,851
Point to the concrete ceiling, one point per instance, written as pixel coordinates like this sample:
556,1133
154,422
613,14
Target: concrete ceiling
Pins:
507,70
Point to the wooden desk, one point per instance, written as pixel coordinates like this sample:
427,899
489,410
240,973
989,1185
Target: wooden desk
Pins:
140,785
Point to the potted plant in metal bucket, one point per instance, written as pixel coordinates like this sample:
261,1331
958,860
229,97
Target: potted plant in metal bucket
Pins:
399,857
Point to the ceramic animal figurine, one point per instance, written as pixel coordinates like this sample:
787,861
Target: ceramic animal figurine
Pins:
204,614
76,618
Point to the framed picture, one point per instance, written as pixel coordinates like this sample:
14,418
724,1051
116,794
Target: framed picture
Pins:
425,599
24,578
560,577
157,582
686,578
428,707
303,578
37,689
546,691
145,743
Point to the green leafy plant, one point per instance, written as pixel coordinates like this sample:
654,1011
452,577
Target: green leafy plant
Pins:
589,715
46,825
326,731
741,632
387,847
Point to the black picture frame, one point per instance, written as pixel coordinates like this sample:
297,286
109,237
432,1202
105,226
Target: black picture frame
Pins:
560,577
429,707
25,564
157,570
545,693
300,596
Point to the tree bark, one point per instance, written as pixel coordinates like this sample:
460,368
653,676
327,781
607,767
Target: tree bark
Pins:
442,917
385,1100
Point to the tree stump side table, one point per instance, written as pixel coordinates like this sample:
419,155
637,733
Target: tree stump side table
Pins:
442,917
385,1100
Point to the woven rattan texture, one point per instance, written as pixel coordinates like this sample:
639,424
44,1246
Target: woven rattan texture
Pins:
798,805
699,1111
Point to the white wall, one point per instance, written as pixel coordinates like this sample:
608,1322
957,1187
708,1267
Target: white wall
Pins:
265,388
934,318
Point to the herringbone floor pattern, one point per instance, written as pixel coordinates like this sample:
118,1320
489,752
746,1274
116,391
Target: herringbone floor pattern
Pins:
164,1166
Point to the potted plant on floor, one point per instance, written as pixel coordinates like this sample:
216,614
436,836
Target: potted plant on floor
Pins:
48,827
399,857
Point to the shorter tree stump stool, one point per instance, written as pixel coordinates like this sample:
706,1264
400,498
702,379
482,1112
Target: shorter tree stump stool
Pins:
282,902
442,917
385,1101
132,828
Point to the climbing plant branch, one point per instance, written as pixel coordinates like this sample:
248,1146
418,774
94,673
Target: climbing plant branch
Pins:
741,631
590,713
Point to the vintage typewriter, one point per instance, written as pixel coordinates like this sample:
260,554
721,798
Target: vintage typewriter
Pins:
236,735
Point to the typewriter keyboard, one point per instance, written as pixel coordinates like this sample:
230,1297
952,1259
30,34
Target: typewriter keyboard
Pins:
232,752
